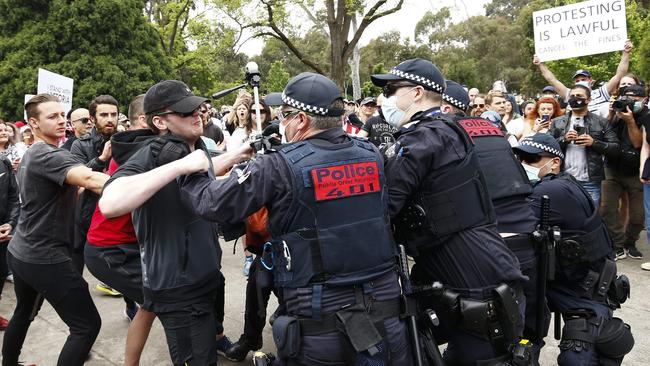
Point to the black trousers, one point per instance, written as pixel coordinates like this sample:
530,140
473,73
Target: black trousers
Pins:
255,316
4,269
64,288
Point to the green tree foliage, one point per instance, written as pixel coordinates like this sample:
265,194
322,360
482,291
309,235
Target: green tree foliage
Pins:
277,78
106,46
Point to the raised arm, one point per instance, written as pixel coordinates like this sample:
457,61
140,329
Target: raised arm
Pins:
127,193
550,77
622,68
84,177
645,154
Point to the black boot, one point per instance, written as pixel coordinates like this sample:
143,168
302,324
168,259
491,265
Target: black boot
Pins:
240,349
263,359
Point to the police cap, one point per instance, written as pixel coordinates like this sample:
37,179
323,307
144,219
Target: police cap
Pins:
312,93
456,95
540,143
418,71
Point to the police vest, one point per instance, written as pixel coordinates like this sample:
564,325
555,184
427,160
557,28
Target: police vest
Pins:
337,230
584,246
504,175
450,200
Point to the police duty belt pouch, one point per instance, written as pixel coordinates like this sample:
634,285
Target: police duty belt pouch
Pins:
615,339
286,334
359,328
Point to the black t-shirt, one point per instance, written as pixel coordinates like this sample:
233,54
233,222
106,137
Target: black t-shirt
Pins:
45,227
213,131
379,131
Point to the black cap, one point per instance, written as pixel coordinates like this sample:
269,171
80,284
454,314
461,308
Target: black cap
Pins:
583,73
273,99
549,88
172,94
633,91
417,70
312,93
540,143
456,95
368,100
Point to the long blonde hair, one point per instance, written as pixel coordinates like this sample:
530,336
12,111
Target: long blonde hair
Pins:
233,119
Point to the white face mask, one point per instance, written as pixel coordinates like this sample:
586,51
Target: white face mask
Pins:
282,128
391,112
533,172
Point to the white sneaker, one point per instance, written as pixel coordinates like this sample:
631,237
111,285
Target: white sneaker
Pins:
646,266
10,278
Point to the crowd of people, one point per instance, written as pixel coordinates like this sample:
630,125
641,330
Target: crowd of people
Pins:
468,185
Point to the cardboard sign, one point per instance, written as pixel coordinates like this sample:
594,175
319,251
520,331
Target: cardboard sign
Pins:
581,29
57,85
340,181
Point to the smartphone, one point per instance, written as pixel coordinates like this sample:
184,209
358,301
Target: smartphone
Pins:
580,129
545,118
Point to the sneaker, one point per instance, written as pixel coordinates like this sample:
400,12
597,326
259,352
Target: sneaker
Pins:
632,252
10,278
620,253
4,323
263,359
645,266
240,349
223,345
130,312
107,289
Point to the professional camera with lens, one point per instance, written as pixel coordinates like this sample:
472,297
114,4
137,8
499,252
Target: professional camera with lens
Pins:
622,103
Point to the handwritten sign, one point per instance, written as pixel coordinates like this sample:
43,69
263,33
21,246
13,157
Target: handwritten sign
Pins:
57,85
581,29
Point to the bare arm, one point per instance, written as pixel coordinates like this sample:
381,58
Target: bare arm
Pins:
550,77
362,133
622,68
645,153
84,177
125,194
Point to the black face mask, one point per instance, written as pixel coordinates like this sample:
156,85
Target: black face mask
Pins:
577,103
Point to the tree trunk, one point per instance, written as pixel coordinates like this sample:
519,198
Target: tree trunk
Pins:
354,65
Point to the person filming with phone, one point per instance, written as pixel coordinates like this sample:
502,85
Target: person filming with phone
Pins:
585,138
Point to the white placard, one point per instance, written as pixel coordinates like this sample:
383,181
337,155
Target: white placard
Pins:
57,85
581,29
27,98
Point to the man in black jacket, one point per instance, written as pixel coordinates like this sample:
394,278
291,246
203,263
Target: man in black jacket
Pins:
584,137
94,150
622,172
9,210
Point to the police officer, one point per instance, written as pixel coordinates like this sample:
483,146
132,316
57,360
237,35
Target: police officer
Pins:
332,251
509,189
585,289
443,214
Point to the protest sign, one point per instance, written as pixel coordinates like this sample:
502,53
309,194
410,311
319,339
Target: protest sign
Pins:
581,29
57,85
27,98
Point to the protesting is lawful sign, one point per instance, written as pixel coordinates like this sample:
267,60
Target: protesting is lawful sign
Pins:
57,85
581,29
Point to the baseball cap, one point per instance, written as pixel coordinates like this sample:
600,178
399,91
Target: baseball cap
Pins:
172,94
550,88
540,143
582,72
418,71
312,93
273,99
633,91
368,100
456,95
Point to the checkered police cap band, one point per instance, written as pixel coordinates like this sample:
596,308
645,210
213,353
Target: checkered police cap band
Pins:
304,107
546,148
455,102
418,79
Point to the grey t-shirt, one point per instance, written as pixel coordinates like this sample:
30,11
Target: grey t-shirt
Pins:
45,227
575,162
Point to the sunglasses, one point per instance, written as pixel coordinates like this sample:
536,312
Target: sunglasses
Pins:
183,115
284,114
478,105
83,120
390,88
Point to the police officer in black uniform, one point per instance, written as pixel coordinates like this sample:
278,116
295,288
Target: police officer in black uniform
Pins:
509,189
332,251
442,212
585,289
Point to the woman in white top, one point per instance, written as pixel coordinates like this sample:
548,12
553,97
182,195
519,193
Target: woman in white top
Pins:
516,126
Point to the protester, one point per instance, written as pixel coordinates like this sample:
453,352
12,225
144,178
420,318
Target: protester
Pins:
9,210
376,129
599,100
7,145
523,126
39,250
479,106
546,109
79,118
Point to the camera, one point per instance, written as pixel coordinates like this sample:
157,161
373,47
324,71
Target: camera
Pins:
622,104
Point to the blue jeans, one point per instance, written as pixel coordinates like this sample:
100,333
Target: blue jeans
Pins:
593,188
646,208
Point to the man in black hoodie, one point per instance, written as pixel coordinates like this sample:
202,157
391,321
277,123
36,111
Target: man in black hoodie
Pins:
181,257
